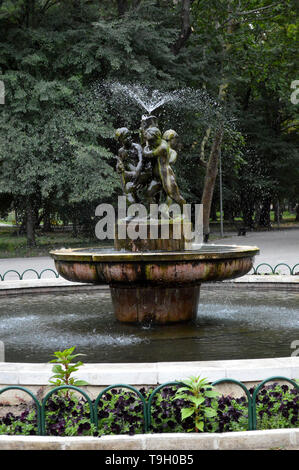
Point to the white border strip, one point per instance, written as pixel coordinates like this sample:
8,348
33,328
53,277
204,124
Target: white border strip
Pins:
245,440
103,374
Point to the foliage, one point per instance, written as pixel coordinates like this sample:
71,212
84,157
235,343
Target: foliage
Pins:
120,412
57,151
196,392
68,416
277,407
64,368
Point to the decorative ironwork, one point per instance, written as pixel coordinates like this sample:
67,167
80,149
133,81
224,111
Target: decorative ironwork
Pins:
147,404
21,275
273,270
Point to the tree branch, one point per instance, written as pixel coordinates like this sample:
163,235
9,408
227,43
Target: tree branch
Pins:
247,13
49,4
256,10
185,26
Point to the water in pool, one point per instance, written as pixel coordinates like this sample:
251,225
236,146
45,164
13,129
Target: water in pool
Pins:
232,323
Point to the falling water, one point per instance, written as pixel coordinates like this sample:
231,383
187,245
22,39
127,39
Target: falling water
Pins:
251,323
149,100
177,101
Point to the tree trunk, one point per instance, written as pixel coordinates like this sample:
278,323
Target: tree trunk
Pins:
30,223
213,212
209,182
247,213
47,221
122,6
185,26
228,212
30,13
278,211
264,216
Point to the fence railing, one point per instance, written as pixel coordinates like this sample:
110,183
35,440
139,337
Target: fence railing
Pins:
293,271
273,270
146,403
21,275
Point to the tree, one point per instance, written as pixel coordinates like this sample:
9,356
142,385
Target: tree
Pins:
236,37
57,139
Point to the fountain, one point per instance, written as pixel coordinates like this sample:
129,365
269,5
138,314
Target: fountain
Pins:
154,277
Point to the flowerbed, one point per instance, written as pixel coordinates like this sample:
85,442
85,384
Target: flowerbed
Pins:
120,411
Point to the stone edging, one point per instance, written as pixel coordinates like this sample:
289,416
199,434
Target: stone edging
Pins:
245,440
103,374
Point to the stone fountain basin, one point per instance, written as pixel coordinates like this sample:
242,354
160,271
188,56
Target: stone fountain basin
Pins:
159,287
102,266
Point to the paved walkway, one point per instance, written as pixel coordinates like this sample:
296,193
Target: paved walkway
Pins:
281,246
275,247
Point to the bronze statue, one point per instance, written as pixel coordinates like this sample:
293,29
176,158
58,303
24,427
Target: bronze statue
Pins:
129,163
161,151
171,138
145,169
146,122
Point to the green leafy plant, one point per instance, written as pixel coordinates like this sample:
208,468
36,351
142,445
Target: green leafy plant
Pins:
64,368
121,412
195,393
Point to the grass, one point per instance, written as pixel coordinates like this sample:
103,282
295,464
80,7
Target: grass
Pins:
288,220
13,245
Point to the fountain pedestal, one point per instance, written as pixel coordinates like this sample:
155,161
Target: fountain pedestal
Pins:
155,304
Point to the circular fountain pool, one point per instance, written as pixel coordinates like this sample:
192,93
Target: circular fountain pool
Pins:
233,322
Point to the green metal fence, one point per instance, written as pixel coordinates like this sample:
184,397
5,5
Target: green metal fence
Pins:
21,275
273,270
146,403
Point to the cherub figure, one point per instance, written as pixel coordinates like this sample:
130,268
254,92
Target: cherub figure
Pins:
129,163
160,150
146,122
171,138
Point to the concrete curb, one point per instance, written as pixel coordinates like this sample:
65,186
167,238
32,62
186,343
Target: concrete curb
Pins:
246,440
103,374
36,286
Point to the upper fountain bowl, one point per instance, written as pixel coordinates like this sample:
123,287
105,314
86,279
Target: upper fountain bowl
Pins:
206,264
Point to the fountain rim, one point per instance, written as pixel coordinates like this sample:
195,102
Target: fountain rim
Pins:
78,254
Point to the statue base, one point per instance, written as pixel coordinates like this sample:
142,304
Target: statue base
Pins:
139,235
